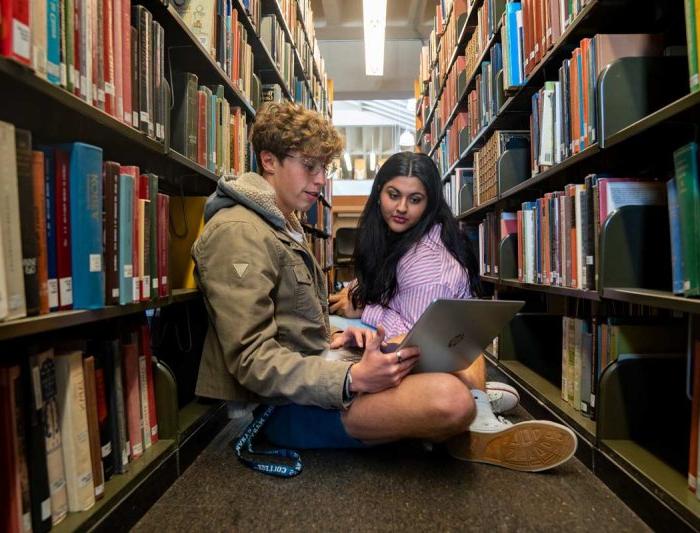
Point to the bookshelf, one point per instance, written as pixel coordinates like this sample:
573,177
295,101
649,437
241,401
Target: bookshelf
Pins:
619,443
54,115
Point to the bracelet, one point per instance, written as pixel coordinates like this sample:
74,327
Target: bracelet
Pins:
348,396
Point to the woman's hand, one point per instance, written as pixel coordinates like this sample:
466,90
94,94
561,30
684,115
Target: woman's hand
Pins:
352,337
378,371
341,304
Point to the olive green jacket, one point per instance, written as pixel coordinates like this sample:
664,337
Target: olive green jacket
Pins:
267,303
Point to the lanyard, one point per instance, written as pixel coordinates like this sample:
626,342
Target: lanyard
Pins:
272,469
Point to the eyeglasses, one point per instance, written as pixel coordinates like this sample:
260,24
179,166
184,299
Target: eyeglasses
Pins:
312,166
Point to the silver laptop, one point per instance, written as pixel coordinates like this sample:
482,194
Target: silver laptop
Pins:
450,333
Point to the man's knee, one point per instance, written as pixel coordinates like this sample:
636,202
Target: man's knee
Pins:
452,403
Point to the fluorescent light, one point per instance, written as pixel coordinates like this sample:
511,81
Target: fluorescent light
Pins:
372,160
348,161
407,139
374,16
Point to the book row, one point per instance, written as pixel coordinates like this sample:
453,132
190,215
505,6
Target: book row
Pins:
206,129
557,235
73,416
77,232
106,52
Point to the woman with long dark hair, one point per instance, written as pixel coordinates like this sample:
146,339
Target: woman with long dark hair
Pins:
409,252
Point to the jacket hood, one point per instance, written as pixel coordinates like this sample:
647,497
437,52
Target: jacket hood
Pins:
252,191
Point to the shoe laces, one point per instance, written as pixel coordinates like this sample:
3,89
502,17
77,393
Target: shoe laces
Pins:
504,421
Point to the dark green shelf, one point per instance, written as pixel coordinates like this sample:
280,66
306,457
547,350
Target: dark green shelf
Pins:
551,289
193,166
64,319
655,298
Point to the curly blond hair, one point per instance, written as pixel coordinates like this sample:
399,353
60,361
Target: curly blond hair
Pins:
284,127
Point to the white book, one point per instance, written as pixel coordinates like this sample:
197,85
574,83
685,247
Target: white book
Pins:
38,30
546,156
9,225
72,411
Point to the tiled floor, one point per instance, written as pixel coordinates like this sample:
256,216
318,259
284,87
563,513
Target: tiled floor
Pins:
397,487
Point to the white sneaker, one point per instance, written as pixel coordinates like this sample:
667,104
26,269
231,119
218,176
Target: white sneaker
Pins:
503,397
531,446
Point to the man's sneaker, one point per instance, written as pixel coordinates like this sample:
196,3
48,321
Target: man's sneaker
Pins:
503,397
530,446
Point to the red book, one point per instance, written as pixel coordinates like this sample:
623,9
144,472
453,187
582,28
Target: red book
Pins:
132,401
77,80
202,128
64,266
108,47
148,354
126,61
117,55
15,37
10,488
163,253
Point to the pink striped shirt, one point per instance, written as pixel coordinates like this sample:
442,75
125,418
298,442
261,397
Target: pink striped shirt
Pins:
425,273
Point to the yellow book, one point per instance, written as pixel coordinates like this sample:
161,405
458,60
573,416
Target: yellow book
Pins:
186,224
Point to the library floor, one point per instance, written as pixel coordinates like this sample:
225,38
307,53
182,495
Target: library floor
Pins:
397,487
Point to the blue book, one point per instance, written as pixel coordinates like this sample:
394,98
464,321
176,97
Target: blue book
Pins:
674,219
53,42
514,50
85,177
50,194
126,221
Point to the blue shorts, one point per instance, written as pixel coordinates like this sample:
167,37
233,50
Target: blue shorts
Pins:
304,427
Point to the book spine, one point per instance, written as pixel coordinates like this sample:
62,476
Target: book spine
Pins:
125,221
132,398
44,377
15,39
125,21
40,229
108,49
53,42
117,54
74,430
691,37
153,233
86,228
163,250
63,234
144,241
111,232
25,188
10,224
93,427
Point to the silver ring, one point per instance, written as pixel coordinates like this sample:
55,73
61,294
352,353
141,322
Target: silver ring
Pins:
398,357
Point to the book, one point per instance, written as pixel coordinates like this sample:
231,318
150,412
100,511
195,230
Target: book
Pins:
10,225
86,197
30,246
39,221
70,386
125,225
110,210
685,160
49,190
93,426
44,380
32,403
677,266
132,401
10,486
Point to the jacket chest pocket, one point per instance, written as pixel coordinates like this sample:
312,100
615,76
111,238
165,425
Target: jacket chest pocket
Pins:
307,302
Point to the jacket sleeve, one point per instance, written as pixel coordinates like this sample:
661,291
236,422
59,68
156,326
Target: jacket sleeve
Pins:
238,269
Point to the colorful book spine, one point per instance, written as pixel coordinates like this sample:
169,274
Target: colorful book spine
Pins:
686,166
86,225
126,217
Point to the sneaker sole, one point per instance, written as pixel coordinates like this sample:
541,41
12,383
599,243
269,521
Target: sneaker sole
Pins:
531,446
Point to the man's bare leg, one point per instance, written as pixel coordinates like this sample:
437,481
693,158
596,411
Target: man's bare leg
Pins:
424,406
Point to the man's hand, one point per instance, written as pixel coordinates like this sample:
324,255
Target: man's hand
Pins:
352,337
378,371
341,304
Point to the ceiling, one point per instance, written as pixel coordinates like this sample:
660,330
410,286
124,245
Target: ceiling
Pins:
338,25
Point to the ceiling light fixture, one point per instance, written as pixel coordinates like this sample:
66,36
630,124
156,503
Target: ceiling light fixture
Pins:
374,17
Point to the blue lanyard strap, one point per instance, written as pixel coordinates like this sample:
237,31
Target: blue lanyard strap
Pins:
272,469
